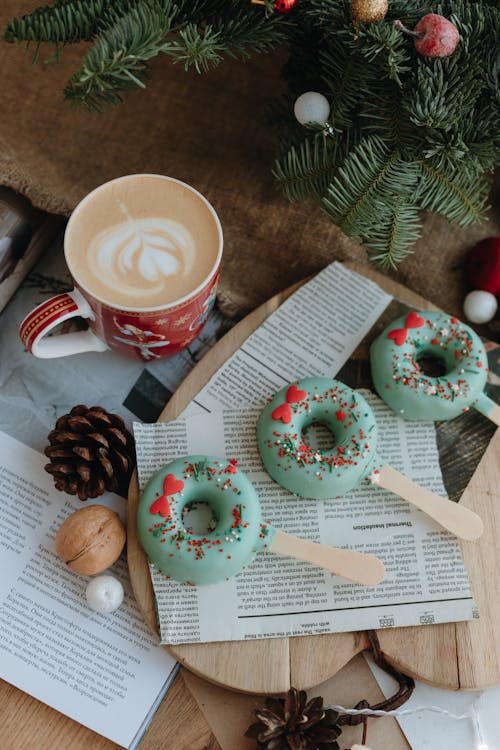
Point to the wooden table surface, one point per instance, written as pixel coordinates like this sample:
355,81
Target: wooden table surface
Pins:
28,724
191,716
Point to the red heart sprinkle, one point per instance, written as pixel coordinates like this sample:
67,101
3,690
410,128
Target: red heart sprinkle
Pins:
398,335
413,320
282,412
171,485
161,506
294,394
340,415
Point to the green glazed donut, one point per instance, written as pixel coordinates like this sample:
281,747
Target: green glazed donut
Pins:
298,467
400,382
192,558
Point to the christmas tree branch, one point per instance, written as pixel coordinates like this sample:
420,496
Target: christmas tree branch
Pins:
118,60
370,176
406,131
308,169
453,194
203,46
398,229
62,23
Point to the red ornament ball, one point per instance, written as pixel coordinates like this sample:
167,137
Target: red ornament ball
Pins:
283,6
439,37
433,36
482,266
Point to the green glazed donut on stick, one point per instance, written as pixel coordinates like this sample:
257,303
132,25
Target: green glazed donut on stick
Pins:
317,474
239,530
399,380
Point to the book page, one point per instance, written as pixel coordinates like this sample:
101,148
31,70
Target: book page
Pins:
426,581
104,671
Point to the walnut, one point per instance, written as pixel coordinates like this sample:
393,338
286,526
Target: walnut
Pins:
91,539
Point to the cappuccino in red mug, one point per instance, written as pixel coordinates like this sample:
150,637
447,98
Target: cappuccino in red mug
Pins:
144,252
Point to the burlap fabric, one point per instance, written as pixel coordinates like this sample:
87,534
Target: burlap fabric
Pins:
209,131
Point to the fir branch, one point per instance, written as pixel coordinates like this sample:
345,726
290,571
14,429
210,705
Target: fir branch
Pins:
443,91
469,149
384,45
369,179
382,114
63,23
399,228
192,48
329,15
252,30
203,47
454,193
344,75
414,134
308,169
118,60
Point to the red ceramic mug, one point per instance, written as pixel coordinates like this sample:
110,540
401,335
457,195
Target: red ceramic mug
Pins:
144,253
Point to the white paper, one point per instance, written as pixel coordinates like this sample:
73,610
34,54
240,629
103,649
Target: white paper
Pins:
104,671
312,333
427,730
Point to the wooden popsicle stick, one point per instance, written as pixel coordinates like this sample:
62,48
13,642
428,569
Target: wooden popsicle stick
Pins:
489,408
458,519
494,415
355,566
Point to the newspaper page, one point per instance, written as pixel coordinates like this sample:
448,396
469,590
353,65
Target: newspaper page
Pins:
312,333
425,581
104,671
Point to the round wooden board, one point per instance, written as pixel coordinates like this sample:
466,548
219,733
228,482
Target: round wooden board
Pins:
453,655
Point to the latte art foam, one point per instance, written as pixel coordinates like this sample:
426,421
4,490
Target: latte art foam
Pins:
142,242
141,258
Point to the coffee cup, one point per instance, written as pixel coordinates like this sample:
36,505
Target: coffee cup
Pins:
144,253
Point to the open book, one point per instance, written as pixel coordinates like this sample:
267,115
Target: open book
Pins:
104,671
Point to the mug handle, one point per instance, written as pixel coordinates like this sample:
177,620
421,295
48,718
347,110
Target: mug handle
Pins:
40,321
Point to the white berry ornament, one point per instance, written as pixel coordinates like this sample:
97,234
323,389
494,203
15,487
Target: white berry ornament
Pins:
312,107
480,307
104,594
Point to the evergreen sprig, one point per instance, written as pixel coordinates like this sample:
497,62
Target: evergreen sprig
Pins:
307,170
418,134
370,198
406,133
455,193
64,22
118,59
127,34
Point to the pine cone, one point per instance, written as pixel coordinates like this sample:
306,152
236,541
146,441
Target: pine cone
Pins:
90,451
293,724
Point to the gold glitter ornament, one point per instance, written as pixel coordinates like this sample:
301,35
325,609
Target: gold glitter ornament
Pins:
369,11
